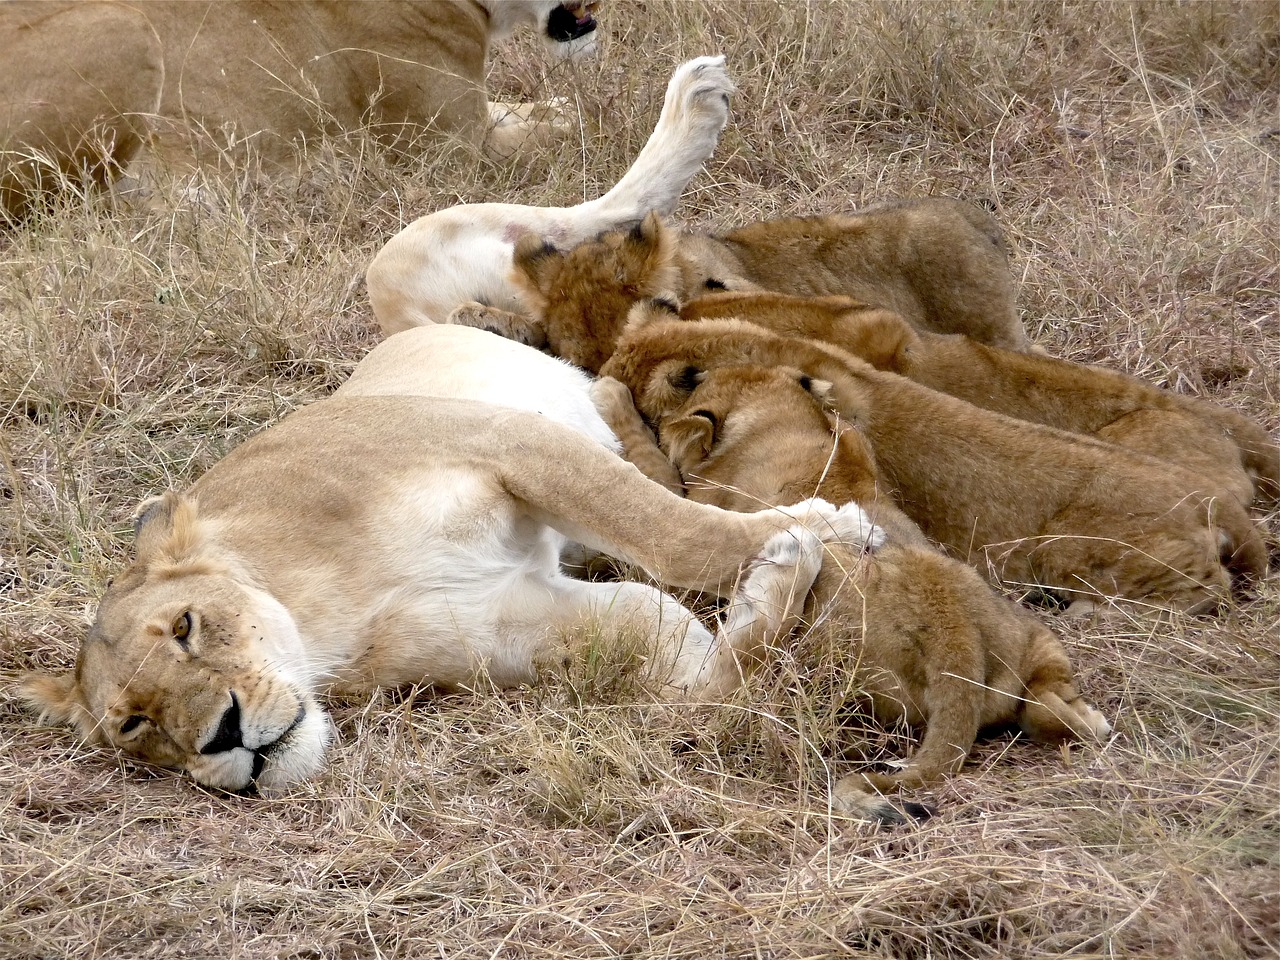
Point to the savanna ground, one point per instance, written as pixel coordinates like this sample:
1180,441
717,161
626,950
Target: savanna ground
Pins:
1133,155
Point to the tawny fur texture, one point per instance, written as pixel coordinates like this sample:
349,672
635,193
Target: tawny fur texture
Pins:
1034,506
940,262
408,530
209,78
1226,448
459,258
938,649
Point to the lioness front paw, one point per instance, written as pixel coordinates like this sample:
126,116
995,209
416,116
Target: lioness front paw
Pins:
848,524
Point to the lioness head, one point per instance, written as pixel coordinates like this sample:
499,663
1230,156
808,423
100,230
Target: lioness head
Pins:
191,667
567,25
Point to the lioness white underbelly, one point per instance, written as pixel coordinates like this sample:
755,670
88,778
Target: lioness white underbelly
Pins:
465,363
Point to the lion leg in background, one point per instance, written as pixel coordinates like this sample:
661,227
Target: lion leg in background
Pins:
515,127
75,88
464,253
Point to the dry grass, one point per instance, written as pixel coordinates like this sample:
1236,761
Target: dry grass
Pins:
1133,154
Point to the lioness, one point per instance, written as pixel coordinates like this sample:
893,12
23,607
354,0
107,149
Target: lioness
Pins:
219,76
1077,517
1228,449
936,647
388,536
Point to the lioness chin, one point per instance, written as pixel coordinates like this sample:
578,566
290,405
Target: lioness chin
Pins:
408,530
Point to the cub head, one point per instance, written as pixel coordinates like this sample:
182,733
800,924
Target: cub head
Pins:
580,298
190,666
567,26
751,436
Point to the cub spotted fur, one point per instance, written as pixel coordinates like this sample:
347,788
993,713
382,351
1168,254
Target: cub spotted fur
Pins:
406,530
937,648
1038,507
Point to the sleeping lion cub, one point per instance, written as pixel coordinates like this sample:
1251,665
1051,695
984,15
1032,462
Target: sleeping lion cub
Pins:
1039,507
408,530
938,648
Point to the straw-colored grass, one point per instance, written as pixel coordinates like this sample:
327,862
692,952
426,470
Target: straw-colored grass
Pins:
1131,151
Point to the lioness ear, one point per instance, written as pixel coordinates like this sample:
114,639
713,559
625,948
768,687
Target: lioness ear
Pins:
165,527
533,258
58,699
820,390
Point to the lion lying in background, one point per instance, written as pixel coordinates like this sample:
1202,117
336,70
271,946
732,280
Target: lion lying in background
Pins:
937,647
76,80
1039,507
1230,451
405,531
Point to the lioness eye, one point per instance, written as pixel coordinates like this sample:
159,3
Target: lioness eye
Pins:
182,629
131,724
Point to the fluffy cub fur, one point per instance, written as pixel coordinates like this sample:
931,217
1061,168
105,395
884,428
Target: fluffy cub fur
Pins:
265,74
940,264
938,648
402,531
1228,449
1039,507
905,257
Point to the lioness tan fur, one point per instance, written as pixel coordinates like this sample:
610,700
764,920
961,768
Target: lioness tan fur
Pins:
937,647
1226,448
213,77
406,531
1037,506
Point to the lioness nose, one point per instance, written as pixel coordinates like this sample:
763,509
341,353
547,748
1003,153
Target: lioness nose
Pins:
228,735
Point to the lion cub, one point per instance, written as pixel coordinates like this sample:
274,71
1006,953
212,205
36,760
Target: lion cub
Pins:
938,648
578,298
1073,516
1211,440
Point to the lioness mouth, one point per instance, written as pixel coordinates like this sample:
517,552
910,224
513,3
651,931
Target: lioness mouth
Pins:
266,750
563,25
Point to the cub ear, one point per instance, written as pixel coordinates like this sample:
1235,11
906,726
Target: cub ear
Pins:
820,390
688,440
660,273
165,527
532,259
645,312
57,698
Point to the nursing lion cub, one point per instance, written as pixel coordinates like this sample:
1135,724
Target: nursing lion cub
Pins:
936,647
1215,442
1038,507
206,78
405,530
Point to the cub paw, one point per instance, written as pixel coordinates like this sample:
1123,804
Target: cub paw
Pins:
609,394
